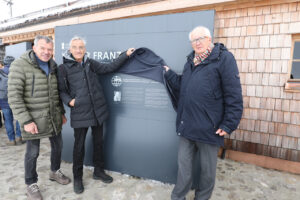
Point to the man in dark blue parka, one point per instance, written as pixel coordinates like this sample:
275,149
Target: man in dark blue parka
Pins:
210,106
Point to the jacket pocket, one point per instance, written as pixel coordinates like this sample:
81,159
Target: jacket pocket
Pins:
41,119
33,80
209,117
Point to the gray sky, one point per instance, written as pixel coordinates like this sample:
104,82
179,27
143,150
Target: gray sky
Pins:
21,7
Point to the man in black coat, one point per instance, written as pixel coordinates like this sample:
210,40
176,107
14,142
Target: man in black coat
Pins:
80,89
210,106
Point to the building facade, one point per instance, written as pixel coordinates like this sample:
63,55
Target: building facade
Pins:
263,35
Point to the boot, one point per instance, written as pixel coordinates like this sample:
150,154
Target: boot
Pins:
33,192
78,186
19,141
11,143
99,174
59,177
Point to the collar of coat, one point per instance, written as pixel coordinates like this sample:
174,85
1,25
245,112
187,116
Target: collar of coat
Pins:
214,55
29,56
68,57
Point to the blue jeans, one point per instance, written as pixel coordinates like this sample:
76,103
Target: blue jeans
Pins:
9,124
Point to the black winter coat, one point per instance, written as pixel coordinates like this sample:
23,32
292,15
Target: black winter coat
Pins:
80,81
210,96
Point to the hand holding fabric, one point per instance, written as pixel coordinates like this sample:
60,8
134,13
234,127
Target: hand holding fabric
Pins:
130,51
166,68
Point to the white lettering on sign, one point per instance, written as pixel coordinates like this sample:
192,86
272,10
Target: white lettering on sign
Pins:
106,55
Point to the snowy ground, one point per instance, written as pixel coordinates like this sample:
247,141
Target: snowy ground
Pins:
235,181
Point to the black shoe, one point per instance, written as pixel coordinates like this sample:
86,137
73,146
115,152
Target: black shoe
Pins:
101,175
78,186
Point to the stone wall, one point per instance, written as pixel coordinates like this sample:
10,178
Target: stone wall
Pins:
261,39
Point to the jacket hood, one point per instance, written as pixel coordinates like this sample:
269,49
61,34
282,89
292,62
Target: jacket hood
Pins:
8,60
29,57
68,57
215,53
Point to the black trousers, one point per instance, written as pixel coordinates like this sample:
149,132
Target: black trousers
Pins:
79,149
1,121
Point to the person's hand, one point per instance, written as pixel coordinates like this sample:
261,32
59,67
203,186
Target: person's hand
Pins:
31,128
72,103
130,51
166,68
64,119
221,132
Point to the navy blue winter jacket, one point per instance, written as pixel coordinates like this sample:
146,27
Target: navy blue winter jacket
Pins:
210,96
3,87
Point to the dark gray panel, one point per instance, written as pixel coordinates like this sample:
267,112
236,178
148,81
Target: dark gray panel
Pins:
16,50
140,136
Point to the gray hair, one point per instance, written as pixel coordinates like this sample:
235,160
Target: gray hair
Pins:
42,37
200,28
77,38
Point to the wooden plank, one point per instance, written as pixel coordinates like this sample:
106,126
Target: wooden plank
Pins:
264,161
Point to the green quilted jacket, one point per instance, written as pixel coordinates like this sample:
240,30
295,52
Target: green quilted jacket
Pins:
34,97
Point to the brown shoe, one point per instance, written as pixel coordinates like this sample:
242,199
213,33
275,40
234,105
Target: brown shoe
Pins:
19,141
11,143
59,177
33,192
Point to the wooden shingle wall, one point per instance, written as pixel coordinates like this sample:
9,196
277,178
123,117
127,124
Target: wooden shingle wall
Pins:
261,40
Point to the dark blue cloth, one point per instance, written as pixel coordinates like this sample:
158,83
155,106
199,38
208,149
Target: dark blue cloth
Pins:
43,65
210,96
144,63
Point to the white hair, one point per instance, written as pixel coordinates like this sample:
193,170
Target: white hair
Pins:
77,38
200,28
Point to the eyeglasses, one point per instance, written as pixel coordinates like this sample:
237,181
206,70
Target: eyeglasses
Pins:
81,48
199,39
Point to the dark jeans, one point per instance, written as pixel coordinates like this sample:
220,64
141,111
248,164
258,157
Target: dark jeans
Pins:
1,121
79,149
32,153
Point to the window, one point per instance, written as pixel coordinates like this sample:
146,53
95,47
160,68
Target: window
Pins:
295,71
293,84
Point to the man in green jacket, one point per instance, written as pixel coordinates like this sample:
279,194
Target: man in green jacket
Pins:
34,99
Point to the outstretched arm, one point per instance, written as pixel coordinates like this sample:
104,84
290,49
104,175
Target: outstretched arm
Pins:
103,68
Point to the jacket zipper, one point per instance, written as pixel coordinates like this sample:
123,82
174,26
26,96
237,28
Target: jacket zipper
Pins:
33,79
51,104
